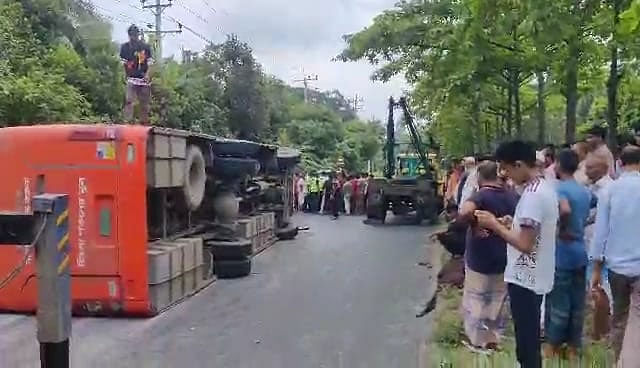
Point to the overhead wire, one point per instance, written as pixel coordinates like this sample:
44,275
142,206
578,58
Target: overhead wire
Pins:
213,10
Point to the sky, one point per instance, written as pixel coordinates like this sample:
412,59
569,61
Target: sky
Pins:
289,38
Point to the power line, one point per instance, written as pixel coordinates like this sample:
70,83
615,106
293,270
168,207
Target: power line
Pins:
193,12
201,18
194,32
213,10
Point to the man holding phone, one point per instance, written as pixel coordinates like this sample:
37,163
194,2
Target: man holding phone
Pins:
136,58
531,243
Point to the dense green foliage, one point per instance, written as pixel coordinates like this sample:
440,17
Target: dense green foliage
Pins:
485,70
58,63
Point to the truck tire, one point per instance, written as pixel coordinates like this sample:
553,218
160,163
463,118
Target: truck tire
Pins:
195,178
235,148
234,167
232,269
230,250
287,233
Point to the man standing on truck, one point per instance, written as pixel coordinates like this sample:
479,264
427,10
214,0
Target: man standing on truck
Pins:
136,58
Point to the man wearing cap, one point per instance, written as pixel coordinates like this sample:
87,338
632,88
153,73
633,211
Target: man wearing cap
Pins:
136,58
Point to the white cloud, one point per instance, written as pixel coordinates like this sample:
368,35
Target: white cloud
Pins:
286,36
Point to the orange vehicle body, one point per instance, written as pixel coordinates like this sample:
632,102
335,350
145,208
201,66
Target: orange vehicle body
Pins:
103,170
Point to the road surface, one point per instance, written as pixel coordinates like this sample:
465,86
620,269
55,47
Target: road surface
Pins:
343,294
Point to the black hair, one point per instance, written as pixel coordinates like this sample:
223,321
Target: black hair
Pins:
568,161
487,157
630,155
512,151
598,130
133,30
488,171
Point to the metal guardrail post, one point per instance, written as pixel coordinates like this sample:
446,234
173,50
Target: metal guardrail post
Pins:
54,279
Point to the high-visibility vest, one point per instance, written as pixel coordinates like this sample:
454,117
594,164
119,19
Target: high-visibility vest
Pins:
313,183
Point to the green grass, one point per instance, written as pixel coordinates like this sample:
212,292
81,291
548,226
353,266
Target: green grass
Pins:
446,350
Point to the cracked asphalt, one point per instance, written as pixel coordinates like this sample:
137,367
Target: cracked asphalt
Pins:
341,295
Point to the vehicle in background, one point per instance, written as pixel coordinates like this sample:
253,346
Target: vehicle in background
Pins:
411,181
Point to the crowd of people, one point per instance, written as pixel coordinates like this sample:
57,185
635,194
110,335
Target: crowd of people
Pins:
334,194
545,232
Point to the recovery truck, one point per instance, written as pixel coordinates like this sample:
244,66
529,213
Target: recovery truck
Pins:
410,183
142,201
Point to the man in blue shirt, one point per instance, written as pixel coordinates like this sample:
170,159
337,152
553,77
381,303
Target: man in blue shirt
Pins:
565,304
615,244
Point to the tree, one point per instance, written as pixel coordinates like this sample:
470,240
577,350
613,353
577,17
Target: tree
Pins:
243,86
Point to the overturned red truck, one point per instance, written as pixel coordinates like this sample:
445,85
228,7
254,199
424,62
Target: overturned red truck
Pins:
143,204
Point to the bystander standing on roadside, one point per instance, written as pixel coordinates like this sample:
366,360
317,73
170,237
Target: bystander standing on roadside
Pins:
470,184
616,228
531,239
599,180
565,304
485,291
597,147
347,193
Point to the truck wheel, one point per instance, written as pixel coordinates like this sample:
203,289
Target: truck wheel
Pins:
235,148
234,167
383,211
230,250
232,269
195,177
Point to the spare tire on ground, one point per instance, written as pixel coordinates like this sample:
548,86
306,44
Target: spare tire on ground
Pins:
232,269
230,250
287,233
195,177
235,167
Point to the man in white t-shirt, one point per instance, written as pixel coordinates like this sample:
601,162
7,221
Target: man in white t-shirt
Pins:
531,239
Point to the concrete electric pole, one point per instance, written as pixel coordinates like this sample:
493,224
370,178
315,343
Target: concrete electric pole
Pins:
157,10
305,80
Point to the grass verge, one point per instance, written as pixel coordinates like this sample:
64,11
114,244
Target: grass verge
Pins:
447,351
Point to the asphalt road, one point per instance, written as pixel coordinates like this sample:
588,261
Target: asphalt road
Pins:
342,295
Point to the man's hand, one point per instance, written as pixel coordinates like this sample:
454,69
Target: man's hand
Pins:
486,220
147,77
596,274
506,221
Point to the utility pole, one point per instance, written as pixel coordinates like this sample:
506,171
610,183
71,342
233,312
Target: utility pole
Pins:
356,102
305,80
157,10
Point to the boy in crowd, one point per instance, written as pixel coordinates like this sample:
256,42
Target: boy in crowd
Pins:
565,304
531,239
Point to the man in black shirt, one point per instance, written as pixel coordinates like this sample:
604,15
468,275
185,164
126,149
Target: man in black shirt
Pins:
136,58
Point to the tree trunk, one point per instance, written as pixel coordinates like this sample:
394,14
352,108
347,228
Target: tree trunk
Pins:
475,120
516,103
509,108
541,112
613,81
571,93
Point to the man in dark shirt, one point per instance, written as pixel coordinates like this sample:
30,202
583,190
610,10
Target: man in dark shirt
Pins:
136,58
486,257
